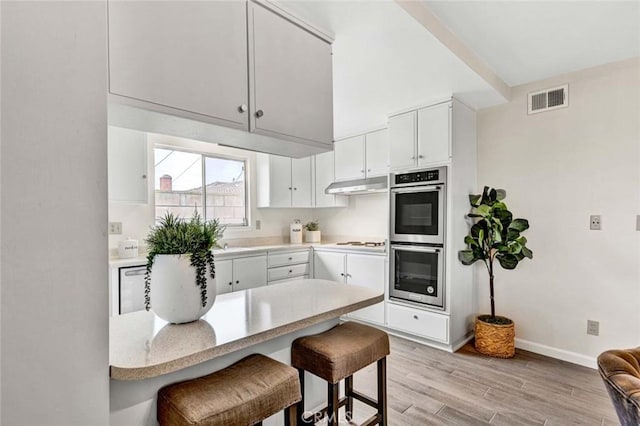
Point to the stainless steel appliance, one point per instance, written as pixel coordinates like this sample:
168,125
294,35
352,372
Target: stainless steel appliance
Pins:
418,201
417,274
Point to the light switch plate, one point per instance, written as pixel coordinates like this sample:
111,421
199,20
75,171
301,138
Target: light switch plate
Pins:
593,327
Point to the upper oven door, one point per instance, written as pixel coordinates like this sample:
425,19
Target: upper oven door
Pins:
417,214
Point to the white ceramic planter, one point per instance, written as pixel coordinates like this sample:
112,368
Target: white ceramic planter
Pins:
311,236
175,297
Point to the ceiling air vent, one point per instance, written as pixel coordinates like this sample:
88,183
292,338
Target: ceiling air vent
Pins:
548,99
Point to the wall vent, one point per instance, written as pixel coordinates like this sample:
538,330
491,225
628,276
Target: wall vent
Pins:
548,99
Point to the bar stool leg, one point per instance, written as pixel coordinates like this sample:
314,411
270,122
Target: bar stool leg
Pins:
300,405
348,391
291,415
333,406
382,390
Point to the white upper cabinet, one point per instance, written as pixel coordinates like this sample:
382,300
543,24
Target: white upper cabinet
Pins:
377,153
362,156
292,93
185,55
283,181
323,177
434,141
127,157
421,138
232,63
349,158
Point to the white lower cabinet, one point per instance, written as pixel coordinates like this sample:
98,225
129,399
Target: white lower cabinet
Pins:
365,270
287,266
241,273
419,322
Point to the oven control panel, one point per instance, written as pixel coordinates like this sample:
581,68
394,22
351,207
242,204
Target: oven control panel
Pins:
419,176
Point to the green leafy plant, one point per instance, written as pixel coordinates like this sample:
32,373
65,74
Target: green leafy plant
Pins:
194,237
313,225
494,235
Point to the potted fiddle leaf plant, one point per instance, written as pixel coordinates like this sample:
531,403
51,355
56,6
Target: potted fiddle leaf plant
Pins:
312,232
179,280
494,235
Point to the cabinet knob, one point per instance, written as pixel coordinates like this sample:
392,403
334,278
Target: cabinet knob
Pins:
259,113
295,189
413,158
415,317
291,258
368,170
144,176
362,171
290,271
289,188
243,108
341,274
238,282
230,282
420,156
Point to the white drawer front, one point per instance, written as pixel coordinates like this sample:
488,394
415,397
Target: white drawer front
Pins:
418,322
288,271
288,258
304,277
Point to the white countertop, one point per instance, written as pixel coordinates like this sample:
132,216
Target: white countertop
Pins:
142,345
248,251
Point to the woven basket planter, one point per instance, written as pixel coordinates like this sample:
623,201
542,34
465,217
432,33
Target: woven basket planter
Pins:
497,340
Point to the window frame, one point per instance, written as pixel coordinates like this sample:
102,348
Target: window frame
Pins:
245,160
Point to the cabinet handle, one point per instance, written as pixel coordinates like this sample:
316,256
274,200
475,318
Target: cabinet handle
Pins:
243,108
415,317
289,188
259,113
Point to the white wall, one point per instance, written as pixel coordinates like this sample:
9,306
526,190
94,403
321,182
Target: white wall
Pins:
138,218
366,217
558,168
55,366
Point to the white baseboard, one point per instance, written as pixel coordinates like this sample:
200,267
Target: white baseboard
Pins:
561,354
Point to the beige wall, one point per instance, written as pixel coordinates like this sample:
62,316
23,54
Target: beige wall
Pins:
55,329
558,168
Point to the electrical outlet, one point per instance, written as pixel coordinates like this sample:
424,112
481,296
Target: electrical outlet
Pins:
115,228
594,222
638,222
593,327
257,225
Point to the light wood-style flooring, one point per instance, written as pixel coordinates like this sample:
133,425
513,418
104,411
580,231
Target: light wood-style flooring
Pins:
431,387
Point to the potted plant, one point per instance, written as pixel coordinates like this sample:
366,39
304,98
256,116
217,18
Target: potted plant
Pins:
312,232
177,278
494,235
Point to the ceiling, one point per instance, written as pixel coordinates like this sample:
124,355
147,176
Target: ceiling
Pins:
525,41
384,60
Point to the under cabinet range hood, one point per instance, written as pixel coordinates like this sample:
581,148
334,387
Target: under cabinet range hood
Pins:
358,186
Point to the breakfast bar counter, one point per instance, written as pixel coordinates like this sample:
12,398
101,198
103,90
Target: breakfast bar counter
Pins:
146,352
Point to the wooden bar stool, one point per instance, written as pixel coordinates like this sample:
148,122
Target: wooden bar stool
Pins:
337,354
242,394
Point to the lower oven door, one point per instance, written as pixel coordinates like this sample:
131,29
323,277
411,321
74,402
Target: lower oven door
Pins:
417,275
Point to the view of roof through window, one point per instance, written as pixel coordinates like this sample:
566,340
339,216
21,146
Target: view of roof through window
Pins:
180,177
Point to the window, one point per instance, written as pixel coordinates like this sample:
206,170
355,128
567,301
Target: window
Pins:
180,177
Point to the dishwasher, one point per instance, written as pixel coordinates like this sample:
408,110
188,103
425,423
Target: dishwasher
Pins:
131,289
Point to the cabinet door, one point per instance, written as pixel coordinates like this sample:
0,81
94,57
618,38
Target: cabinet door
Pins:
377,153
402,141
328,265
433,134
349,158
280,181
249,272
127,156
292,79
301,182
186,55
367,271
224,276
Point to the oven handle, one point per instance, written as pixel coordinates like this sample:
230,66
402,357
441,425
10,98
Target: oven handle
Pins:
416,248
417,189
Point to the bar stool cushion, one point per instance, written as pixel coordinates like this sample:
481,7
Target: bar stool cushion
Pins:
244,393
341,351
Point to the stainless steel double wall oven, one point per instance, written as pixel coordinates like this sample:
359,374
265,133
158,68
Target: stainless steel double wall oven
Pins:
417,228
